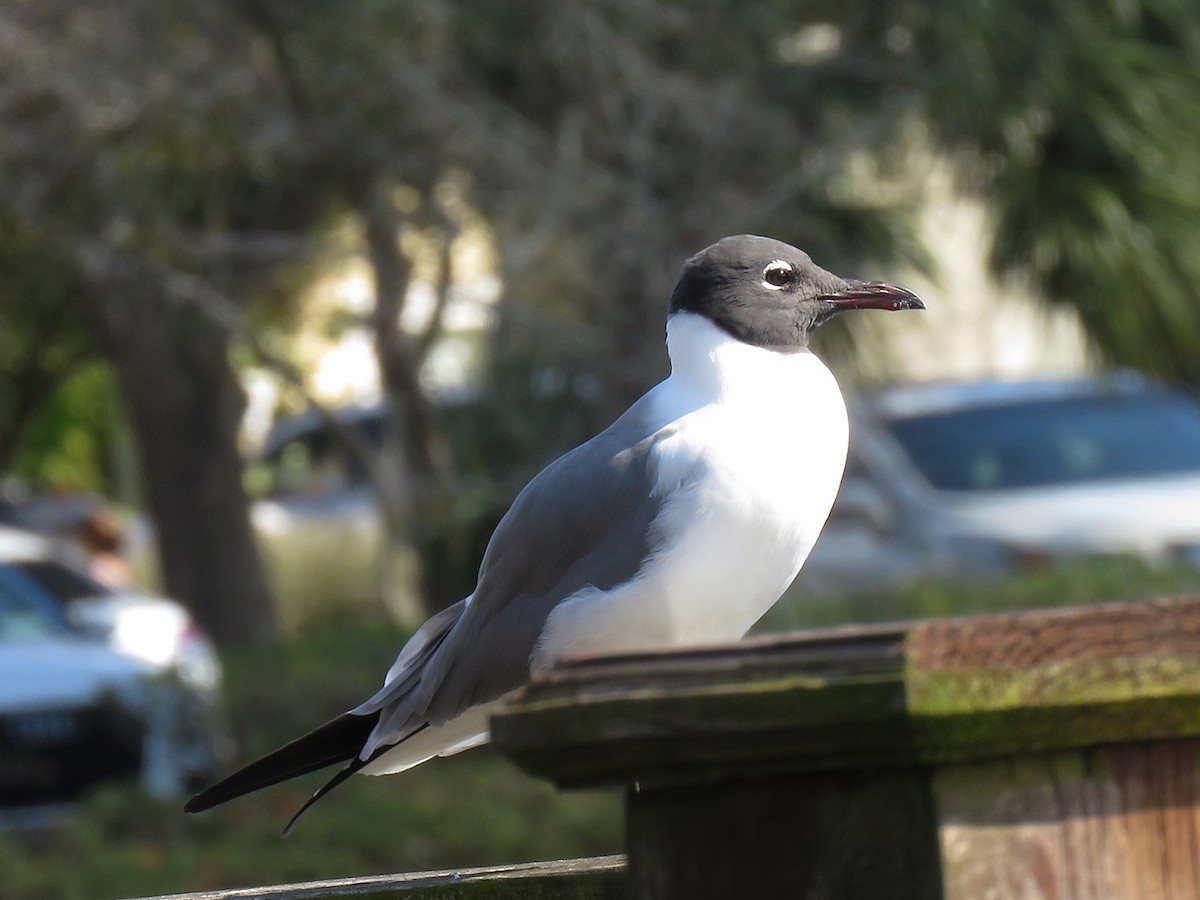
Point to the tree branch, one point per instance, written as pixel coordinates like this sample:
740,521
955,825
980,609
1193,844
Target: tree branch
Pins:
263,19
101,258
445,282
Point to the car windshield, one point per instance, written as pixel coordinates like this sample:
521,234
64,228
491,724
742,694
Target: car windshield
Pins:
62,581
1069,440
26,611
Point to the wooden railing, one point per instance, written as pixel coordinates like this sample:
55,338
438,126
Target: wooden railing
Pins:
1047,754
599,878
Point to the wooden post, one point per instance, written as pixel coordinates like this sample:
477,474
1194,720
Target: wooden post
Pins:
1046,754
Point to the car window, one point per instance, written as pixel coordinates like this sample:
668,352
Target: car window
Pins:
1062,441
63,582
313,466
25,608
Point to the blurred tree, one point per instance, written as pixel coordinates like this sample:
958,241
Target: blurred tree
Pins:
663,127
179,161
75,440
118,163
1076,121
373,93
674,123
41,347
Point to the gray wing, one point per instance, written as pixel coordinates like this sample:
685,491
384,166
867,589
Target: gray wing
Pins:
584,520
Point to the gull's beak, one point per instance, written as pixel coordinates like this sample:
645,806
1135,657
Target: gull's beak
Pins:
872,295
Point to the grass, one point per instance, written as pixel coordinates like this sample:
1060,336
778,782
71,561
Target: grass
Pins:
473,809
1092,581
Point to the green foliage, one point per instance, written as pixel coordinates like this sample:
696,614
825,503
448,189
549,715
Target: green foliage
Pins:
58,404
68,442
1077,121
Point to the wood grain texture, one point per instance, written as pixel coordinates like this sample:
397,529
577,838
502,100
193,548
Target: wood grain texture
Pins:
1061,747
1054,657
1118,822
1022,640
826,837
930,693
597,878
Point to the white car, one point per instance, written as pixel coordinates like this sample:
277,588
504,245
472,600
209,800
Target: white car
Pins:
66,640
69,709
987,477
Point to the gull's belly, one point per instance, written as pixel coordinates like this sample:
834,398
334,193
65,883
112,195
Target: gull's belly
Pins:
747,497
742,530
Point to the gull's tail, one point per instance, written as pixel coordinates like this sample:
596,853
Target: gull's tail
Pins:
345,738
338,740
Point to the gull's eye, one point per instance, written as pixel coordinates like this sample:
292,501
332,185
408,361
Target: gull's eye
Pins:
777,274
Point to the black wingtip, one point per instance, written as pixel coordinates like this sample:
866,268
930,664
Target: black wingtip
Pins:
336,741
349,769
203,801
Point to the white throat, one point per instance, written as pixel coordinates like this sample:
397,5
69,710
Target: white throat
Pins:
709,361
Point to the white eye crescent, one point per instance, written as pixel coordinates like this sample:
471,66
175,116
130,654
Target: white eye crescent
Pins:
777,275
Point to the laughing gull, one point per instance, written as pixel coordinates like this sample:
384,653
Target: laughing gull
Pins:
681,523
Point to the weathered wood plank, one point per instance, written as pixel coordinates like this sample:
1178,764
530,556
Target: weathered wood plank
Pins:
596,878
1103,823
867,836
1060,747
915,694
1054,657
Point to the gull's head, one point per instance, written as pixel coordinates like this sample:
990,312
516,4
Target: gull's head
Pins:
769,294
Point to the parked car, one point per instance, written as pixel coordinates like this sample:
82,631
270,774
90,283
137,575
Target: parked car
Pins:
68,640
69,708
989,477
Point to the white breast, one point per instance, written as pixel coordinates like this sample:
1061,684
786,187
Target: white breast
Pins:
750,466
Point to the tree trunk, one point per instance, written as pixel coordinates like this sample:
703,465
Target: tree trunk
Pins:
416,496
400,565
185,403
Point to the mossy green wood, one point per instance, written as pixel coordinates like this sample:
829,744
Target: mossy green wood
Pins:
920,693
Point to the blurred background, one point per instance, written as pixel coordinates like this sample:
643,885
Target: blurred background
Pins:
295,296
